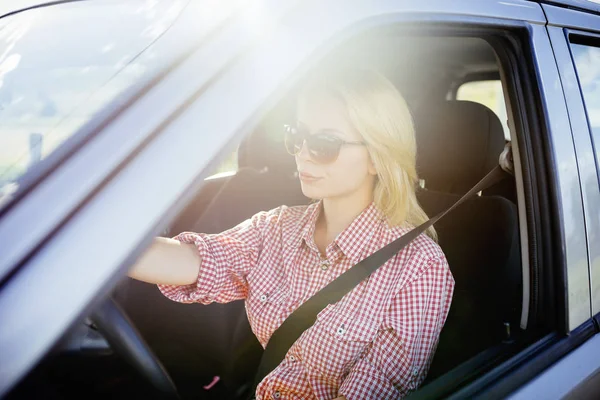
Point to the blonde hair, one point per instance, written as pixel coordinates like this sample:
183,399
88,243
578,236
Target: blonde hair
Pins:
380,114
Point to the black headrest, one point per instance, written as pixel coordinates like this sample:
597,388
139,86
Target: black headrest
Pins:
458,143
264,150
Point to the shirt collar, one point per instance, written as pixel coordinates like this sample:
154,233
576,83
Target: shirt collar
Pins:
352,241
306,226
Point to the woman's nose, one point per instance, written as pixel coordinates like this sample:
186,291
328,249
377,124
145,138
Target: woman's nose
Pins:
304,154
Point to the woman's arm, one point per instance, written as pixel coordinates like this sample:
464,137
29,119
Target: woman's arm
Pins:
207,268
167,262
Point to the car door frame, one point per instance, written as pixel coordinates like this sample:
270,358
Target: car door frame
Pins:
561,24
572,373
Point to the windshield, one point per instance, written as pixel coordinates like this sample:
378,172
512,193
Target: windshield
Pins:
61,64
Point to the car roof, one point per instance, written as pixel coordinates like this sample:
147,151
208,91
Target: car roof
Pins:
15,6
588,5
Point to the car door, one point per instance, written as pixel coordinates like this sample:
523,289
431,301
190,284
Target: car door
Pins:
575,38
187,119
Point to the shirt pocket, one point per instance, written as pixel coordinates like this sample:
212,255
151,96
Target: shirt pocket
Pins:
265,309
337,341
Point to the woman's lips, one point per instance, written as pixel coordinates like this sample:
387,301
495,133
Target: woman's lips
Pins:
308,178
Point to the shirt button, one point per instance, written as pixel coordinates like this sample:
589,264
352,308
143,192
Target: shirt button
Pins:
325,265
263,298
277,395
416,371
341,330
292,358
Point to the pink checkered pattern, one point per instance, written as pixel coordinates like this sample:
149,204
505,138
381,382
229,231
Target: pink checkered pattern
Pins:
375,343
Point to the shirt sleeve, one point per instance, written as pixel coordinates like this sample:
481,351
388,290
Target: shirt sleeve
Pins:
226,260
399,359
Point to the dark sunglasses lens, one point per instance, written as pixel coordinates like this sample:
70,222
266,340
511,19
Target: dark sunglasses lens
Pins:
323,148
294,139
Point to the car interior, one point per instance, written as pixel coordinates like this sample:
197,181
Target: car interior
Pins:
459,142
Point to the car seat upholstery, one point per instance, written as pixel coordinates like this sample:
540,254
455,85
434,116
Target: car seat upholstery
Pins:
266,179
478,153
458,144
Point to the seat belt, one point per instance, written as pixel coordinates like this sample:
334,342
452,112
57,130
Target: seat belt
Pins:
305,315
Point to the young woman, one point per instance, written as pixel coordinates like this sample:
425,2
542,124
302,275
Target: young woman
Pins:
355,150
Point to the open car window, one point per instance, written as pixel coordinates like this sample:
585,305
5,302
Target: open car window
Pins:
268,181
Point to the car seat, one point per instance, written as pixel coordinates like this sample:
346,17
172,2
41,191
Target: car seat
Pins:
459,142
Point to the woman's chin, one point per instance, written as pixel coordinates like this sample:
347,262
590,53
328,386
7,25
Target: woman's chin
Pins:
312,193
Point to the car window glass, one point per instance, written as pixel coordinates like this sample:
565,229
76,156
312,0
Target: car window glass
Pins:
49,91
587,63
488,93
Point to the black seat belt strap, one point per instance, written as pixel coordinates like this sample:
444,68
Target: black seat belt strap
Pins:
305,315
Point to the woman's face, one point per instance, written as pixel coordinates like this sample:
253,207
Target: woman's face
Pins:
352,172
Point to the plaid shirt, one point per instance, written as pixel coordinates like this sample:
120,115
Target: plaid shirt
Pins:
377,342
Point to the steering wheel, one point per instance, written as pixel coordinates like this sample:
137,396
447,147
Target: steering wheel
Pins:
113,324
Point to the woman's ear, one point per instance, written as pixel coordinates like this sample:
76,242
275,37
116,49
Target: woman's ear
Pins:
371,167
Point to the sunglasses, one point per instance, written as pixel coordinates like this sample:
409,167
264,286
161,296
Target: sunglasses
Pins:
323,147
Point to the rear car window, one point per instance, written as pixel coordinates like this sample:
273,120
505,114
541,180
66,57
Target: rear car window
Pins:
587,63
489,93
